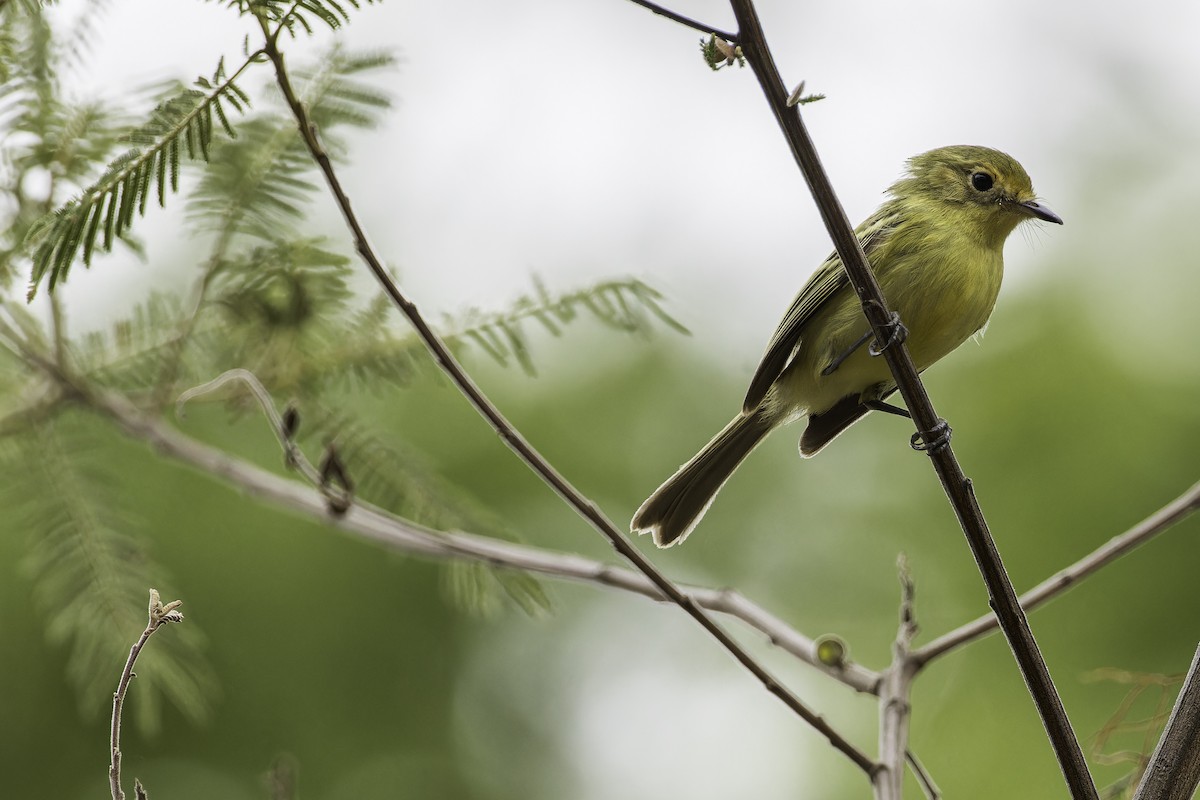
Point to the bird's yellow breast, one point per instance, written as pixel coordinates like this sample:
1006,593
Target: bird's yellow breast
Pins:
942,283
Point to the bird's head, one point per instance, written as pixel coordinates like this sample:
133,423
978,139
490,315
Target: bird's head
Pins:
977,185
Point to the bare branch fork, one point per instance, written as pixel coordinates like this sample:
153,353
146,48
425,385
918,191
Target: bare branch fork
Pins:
517,443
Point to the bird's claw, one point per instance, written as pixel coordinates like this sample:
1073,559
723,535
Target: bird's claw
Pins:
934,440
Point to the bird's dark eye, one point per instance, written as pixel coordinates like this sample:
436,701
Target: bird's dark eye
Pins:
981,181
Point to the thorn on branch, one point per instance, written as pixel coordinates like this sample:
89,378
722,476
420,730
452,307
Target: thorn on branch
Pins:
336,484
291,421
799,98
908,593
289,424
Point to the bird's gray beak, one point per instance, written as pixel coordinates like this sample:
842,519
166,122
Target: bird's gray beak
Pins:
1036,209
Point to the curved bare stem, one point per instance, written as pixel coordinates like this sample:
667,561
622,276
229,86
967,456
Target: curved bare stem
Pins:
159,615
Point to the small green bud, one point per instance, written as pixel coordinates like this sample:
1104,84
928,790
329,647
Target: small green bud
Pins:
832,651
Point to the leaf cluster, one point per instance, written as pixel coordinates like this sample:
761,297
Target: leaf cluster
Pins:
182,125
51,141
629,306
296,16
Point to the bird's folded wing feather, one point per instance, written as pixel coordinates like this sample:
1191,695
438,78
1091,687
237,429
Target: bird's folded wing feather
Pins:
823,285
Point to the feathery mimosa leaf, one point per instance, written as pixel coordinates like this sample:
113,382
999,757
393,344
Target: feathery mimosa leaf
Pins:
121,190
90,578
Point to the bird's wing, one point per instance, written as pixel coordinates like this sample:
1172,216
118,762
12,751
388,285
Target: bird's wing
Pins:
823,285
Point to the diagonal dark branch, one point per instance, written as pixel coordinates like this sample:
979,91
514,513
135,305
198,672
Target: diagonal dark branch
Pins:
518,444
1173,512
931,790
686,21
1174,770
958,488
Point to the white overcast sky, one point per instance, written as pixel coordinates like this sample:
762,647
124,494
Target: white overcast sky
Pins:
582,140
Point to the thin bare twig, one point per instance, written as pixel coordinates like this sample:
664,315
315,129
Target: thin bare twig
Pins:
159,615
1174,770
517,443
1178,509
338,496
956,485
931,790
687,21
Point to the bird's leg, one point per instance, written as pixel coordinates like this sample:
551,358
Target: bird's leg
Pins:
897,333
930,441
837,362
887,408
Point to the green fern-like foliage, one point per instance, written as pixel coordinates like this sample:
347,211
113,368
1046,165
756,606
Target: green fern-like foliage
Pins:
268,296
90,577
391,474
630,306
61,141
138,350
181,126
259,184
298,15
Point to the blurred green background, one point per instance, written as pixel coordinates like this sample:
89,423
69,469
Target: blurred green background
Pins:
1076,416
357,664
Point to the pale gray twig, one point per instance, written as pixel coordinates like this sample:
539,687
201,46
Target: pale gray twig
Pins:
895,689
1178,509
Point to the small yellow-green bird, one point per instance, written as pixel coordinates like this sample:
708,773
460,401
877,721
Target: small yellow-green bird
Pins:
936,246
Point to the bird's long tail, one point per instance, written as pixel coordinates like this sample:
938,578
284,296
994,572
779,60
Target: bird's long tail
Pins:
676,506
